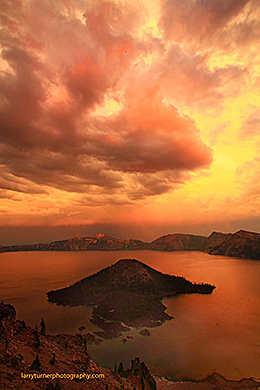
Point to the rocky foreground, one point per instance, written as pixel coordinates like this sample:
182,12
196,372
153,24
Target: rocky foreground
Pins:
242,244
26,353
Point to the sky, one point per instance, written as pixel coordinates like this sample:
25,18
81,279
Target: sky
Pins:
132,117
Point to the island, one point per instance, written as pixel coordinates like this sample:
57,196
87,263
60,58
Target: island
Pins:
128,292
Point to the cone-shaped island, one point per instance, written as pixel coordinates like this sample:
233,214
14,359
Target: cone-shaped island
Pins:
128,291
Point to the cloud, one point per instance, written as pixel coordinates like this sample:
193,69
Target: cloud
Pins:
188,78
147,149
251,126
248,178
148,136
203,24
142,185
62,61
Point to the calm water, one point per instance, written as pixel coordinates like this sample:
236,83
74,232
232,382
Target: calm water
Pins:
219,332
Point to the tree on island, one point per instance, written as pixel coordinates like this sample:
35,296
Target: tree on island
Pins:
43,327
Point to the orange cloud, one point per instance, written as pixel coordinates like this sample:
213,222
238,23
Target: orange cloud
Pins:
110,106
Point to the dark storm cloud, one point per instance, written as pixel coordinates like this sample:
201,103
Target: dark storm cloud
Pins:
61,60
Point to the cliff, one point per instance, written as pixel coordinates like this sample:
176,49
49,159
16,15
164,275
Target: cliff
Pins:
214,239
240,244
179,242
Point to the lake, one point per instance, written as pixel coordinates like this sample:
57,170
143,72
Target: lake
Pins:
218,332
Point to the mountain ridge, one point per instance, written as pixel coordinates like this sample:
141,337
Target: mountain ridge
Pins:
244,244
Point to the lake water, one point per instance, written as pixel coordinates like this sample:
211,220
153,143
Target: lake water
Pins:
218,332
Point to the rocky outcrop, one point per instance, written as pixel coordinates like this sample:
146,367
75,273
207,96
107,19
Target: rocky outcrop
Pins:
138,374
7,314
7,317
21,356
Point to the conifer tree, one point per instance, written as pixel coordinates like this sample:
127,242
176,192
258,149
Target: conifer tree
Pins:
53,359
120,369
36,365
142,381
43,327
36,338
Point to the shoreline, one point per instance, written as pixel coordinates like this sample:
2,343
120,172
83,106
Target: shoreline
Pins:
35,353
211,382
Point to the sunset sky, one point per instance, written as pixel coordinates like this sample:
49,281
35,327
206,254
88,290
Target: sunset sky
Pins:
135,118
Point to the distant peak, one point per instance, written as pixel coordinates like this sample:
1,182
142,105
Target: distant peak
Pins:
131,265
216,234
245,232
128,263
100,236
